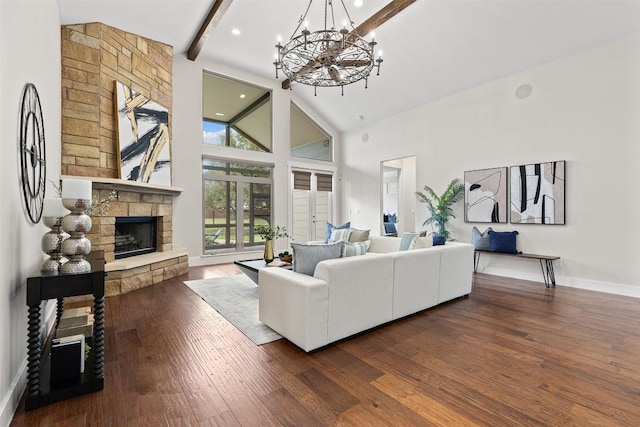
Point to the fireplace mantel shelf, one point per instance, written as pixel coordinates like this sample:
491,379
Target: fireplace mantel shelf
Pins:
124,185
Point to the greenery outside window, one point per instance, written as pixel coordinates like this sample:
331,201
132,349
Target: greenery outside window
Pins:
237,197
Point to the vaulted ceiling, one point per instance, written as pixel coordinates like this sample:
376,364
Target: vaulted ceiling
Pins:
433,49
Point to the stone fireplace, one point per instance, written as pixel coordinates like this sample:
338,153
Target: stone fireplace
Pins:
94,57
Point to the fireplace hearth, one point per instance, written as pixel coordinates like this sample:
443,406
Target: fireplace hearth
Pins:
135,235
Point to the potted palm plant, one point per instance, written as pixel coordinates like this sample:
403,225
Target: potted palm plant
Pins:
441,207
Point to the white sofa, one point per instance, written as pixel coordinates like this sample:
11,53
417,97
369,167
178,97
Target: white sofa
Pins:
350,295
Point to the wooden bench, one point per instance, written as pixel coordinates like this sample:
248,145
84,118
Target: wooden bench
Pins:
546,263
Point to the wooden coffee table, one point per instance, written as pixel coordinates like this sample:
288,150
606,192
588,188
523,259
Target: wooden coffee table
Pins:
251,267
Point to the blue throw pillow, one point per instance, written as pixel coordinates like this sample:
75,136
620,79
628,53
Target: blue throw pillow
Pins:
331,227
503,241
481,241
438,240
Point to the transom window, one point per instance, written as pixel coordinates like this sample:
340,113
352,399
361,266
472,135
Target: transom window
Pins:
235,114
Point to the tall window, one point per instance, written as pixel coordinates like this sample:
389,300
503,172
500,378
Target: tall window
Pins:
237,197
235,114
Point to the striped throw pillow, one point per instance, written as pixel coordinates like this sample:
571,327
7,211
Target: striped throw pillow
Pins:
356,248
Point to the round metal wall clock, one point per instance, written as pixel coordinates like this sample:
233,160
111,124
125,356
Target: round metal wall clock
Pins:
32,153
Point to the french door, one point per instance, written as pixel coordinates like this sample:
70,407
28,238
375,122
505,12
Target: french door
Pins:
312,204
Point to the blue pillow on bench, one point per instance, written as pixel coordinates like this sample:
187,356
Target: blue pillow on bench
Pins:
503,241
481,241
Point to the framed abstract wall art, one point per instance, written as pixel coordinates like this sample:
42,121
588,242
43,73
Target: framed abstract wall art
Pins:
485,195
538,193
143,138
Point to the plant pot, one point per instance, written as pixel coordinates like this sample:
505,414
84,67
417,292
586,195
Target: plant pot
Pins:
286,259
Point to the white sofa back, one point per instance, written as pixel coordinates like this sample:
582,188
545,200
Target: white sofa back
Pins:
360,293
349,295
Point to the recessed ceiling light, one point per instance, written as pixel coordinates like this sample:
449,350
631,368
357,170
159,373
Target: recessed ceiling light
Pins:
235,32
219,114
357,3
243,96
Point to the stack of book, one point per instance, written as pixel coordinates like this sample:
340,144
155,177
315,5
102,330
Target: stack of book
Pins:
67,357
75,321
68,344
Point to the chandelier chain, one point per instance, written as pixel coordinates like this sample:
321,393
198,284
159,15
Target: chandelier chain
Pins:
302,18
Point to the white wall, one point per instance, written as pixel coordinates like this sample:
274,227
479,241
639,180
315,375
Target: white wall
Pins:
187,151
29,52
584,109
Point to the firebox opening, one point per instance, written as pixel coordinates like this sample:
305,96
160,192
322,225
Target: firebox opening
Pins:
135,235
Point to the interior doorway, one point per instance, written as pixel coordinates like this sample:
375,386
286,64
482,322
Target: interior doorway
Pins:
398,196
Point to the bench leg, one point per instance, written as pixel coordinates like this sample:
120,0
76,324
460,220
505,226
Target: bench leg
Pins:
547,272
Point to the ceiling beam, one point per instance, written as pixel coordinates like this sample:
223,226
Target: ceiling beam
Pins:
373,22
214,16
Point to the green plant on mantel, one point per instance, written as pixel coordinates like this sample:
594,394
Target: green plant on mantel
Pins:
441,207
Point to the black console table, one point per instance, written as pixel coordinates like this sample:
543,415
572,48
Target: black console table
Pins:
40,391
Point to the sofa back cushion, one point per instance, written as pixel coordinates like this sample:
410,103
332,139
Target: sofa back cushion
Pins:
384,244
306,257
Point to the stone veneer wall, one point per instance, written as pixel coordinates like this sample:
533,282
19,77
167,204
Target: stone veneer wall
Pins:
94,56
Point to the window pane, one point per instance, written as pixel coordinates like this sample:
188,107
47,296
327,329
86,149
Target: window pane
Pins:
219,216
258,209
214,133
308,140
241,110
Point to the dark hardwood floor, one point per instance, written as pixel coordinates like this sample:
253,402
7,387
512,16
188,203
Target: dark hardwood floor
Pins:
512,353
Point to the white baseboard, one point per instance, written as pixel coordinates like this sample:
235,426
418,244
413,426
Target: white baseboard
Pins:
196,261
571,282
11,399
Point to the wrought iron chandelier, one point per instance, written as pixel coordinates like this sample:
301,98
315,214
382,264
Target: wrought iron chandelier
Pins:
328,57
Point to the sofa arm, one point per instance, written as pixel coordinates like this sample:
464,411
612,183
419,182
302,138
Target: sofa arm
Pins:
294,305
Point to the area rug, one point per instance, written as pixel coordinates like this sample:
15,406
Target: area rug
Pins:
236,299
